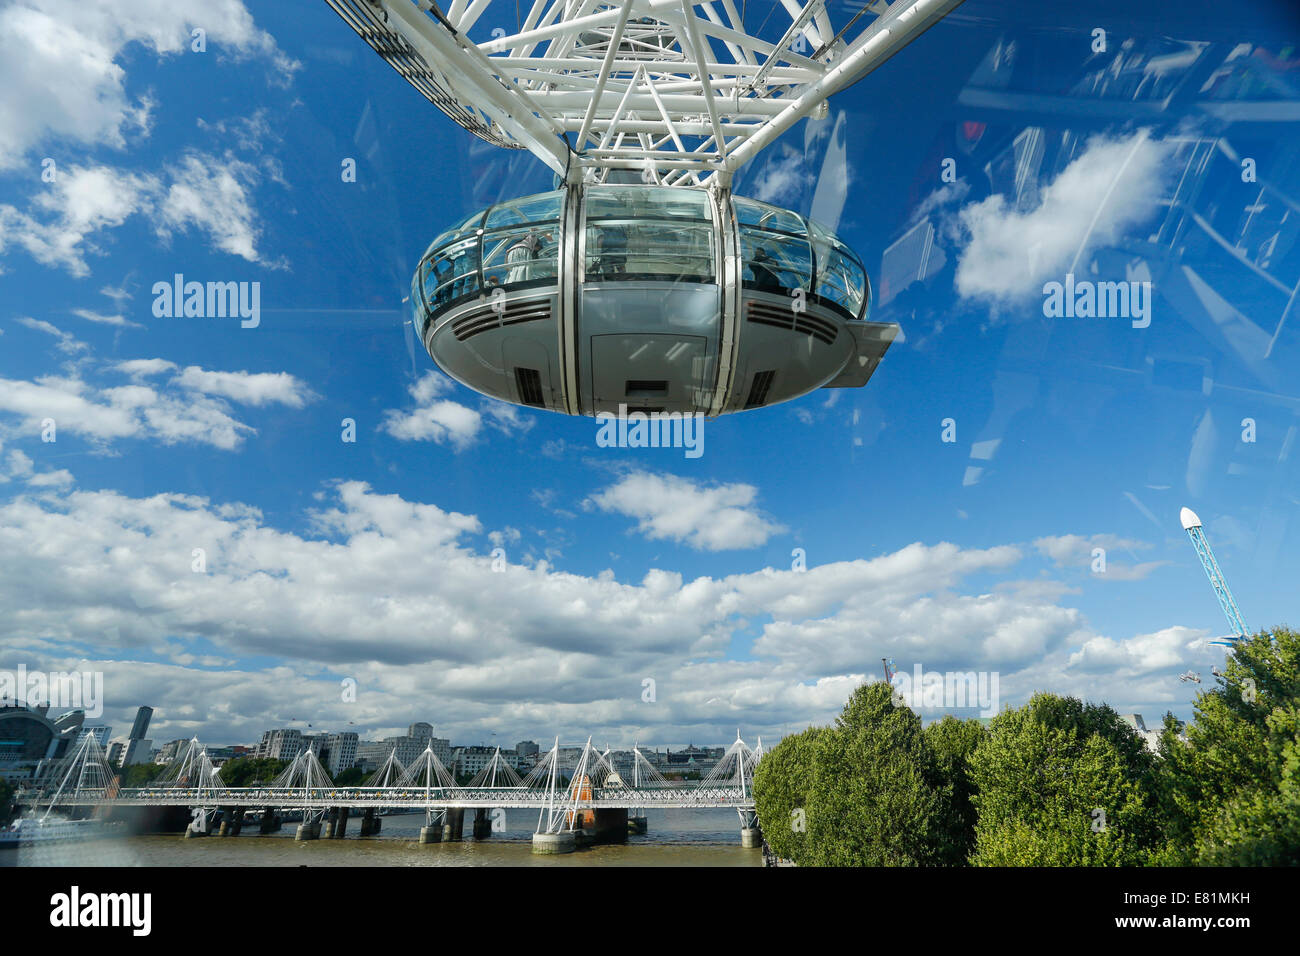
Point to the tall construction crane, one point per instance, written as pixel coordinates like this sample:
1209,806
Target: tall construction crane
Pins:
1192,525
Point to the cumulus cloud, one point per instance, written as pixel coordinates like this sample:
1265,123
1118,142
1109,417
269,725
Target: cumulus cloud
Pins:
717,518
447,422
184,410
1113,186
395,594
144,367
434,419
212,197
17,466
71,212
247,388
69,216
61,73
1141,654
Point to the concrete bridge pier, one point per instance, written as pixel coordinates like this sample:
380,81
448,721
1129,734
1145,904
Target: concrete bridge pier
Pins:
340,823
331,822
232,821
307,831
453,827
638,824
370,823
203,828
270,822
482,825
431,832
750,834
550,843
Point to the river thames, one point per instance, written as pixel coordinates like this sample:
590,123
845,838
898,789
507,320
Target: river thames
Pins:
675,838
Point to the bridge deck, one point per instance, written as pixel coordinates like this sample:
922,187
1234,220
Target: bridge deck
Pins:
391,798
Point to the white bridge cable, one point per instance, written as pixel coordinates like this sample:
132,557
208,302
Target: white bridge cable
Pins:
192,769
304,773
83,774
645,775
733,770
427,772
391,773
497,773
539,777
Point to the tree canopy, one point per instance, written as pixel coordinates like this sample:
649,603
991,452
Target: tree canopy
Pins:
1231,791
247,771
1056,782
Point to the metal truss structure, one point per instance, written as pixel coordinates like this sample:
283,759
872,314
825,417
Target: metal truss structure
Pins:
560,788
1192,525
682,92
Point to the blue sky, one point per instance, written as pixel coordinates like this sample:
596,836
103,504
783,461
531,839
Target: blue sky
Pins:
372,560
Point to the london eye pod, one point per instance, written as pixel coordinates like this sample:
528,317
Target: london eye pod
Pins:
641,282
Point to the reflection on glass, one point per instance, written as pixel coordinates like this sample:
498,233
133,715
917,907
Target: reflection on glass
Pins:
775,262
519,255
840,277
637,249
508,244
641,202
760,215
529,209
467,227
778,257
451,273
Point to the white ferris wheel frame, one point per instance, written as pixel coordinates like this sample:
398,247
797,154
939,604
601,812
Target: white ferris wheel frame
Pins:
673,89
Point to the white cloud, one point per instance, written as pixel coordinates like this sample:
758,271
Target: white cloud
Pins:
187,409
202,192
248,388
1113,186
81,203
143,367
1160,651
66,342
717,518
434,419
20,467
390,592
1072,550
782,179
100,318
61,78
212,196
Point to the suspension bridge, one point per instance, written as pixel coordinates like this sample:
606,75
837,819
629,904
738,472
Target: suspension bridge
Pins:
578,795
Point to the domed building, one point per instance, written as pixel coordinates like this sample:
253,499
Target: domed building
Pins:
28,736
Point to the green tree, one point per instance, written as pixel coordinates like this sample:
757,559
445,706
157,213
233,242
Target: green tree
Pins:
1231,790
782,782
250,771
350,777
1062,783
952,742
876,799
139,774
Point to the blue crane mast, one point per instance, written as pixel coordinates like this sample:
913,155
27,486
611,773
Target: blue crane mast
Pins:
1192,525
